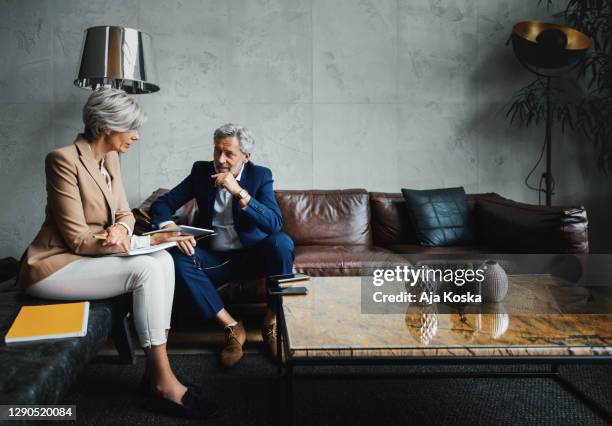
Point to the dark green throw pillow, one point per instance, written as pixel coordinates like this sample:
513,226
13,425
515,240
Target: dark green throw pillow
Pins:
440,216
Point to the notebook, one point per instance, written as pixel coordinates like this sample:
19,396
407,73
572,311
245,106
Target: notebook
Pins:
49,322
145,250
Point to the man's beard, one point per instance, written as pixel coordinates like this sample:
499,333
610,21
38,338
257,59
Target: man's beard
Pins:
233,170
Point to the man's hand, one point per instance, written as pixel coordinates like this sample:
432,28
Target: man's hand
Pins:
117,236
227,181
185,243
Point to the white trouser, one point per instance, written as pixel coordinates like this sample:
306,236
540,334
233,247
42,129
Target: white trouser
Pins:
150,279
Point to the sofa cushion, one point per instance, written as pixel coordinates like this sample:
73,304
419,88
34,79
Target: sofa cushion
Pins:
315,217
354,260
390,220
440,216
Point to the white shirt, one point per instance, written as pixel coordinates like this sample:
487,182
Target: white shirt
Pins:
226,237
136,241
223,221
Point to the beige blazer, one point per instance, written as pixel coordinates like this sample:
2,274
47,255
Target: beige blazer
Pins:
79,204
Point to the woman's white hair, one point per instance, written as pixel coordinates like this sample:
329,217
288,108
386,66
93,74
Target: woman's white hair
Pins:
246,140
111,109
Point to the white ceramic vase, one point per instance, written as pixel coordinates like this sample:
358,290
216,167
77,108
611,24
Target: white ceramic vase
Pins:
495,284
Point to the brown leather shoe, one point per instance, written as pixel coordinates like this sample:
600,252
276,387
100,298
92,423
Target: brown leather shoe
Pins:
269,334
235,336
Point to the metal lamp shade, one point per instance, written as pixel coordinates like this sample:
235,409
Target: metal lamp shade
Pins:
118,57
529,50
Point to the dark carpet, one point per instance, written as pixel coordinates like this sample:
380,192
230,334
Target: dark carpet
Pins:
106,394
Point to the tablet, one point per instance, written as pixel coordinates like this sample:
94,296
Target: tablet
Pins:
184,230
196,232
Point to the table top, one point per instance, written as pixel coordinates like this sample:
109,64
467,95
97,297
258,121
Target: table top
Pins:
541,315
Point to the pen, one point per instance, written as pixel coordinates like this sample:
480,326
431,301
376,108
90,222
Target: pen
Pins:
98,237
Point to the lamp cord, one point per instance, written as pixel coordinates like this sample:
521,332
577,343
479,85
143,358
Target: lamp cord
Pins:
542,178
544,145
539,189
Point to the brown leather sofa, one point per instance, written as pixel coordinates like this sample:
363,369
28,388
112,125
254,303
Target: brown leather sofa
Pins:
352,232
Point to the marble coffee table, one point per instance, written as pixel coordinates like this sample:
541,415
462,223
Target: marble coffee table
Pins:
543,320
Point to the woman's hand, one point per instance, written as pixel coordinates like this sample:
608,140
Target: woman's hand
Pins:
117,236
185,243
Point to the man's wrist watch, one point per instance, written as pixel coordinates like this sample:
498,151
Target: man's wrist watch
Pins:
243,194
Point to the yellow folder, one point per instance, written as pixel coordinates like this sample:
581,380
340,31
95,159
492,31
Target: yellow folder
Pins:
49,322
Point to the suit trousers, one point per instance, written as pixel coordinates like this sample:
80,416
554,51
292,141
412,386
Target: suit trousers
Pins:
207,270
150,279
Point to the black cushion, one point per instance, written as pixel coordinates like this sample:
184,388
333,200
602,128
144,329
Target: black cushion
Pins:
440,216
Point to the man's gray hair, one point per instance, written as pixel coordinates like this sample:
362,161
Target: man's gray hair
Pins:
247,143
111,109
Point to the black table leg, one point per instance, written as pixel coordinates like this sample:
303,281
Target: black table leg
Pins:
120,332
289,393
122,339
279,336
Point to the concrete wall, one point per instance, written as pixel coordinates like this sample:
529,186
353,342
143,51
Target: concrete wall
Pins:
347,93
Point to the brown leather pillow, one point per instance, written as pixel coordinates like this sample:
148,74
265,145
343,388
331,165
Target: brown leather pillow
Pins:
390,220
335,217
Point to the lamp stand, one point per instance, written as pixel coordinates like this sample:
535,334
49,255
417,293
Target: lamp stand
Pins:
548,174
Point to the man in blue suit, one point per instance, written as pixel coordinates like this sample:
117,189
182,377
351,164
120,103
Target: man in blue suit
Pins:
236,199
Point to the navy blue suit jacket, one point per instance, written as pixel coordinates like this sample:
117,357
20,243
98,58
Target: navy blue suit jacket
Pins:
260,218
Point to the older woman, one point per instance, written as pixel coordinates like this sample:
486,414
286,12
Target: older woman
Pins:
86,202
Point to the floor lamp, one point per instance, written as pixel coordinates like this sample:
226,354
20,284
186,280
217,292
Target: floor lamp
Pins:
548,50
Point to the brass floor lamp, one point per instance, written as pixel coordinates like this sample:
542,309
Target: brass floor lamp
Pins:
548,50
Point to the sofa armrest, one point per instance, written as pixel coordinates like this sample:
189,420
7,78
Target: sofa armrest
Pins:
526,228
